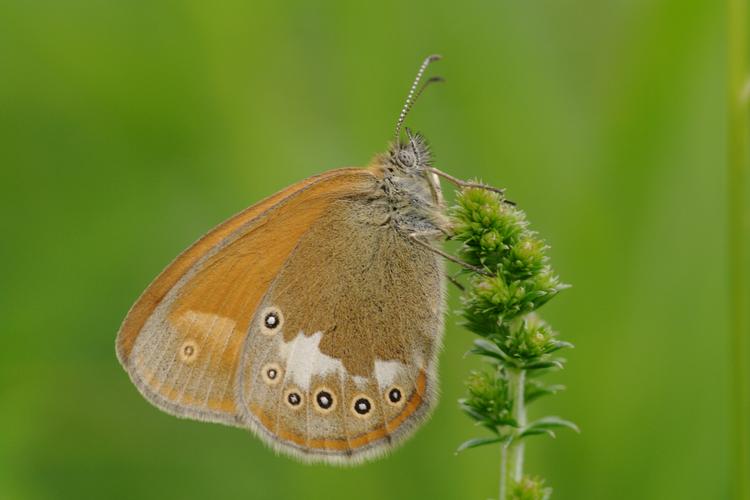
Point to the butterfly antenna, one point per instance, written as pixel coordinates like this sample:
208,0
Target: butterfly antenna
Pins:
414,93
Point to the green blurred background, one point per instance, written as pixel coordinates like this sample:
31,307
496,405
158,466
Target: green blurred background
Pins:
127,129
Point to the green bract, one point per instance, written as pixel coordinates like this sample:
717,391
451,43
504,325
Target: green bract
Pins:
530,488
495,236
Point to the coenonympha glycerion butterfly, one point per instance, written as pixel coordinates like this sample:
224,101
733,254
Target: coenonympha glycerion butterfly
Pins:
313,318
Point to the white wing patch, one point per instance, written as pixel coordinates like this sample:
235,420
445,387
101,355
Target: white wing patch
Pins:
387,371
304,359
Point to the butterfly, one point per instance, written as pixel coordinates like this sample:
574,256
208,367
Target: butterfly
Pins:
313,318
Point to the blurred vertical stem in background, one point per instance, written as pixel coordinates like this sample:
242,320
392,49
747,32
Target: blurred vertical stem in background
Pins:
499,305
738,226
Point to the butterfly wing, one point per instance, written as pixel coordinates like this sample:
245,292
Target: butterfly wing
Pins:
181,341
347,367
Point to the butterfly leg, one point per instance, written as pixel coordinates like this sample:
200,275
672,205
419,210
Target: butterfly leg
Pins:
455,282
464,184
418,238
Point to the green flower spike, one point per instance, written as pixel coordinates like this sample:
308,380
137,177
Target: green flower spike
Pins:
499,306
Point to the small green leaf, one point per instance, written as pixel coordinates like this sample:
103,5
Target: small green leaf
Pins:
536,391
511,422
553,422
560,344
476,442
536,432
543,365
487,348
472,412
488,424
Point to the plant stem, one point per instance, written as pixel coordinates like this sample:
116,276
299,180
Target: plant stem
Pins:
738,251
517,381
503,471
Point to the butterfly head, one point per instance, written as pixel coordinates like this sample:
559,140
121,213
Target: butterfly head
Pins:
412,155
406,165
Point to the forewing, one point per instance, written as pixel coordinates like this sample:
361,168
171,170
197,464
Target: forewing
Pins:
181,341
360,309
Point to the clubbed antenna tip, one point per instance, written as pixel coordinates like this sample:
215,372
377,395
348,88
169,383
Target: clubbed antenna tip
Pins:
414,92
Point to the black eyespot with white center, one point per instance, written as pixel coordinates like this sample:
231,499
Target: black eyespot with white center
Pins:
395,396
362,406
271,373
294,399
271,320
324,400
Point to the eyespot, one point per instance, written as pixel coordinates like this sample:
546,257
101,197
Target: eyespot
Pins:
293,399
271,374
188,351
325,400
271,320
362,406
394,396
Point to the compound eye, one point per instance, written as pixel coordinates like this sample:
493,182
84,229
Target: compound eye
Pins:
406,158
